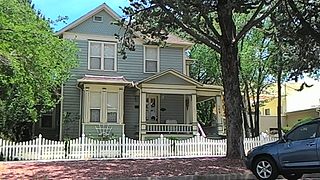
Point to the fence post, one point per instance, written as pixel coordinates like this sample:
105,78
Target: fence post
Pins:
198,144
123,145
39,147
161,145
82,145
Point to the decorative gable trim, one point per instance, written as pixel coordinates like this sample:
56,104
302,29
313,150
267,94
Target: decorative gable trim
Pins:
173,72
102,7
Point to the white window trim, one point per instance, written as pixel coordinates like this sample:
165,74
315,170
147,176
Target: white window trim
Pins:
144,58
102,43
103,109
93,19
118,108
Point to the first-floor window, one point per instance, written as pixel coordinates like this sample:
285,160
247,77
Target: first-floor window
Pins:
47,121
95,106
112,107
104,107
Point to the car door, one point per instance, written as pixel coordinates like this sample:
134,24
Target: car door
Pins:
300,148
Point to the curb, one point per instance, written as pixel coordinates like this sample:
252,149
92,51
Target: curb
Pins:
233,176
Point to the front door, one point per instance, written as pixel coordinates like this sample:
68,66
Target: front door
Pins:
152,106
300,150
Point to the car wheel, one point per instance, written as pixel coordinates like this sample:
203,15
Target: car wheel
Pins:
292,176
265,169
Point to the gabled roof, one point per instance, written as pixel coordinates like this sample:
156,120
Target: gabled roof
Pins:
172,39
102,7
173,72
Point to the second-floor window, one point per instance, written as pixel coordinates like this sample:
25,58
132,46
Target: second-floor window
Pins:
151,59
102,56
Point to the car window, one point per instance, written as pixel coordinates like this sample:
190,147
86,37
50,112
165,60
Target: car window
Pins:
306,131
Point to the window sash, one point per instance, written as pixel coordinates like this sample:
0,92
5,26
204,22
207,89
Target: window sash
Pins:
149,59
112,107
103,56
92,116
149,68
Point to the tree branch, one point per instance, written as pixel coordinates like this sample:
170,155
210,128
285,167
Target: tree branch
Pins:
191,32
212,28
254,21
315,34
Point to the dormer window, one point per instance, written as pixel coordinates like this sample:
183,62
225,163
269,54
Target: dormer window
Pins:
102,56
97,19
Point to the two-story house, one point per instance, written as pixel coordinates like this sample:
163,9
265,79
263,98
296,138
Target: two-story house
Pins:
143,96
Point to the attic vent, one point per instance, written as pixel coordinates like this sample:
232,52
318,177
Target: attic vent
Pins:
97,19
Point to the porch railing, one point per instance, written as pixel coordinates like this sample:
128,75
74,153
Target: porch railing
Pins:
169,128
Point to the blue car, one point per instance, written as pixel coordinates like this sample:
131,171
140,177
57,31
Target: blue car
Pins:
296,153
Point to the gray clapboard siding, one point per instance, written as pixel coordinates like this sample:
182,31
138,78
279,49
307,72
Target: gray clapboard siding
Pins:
171,58
131,115
174,108
90,130
105,28
71,109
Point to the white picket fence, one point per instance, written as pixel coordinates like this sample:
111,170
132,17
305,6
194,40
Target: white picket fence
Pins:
123,147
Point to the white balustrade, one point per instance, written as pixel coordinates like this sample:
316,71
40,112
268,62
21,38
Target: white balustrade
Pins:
169,128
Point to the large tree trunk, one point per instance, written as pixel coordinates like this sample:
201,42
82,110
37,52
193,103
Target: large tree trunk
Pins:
230,73
249,109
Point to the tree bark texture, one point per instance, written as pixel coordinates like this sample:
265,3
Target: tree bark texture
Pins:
249,109
279,102
230,73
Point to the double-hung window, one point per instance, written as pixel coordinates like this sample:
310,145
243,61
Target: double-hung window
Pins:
95,106
151,59
112,107
104,107
102,56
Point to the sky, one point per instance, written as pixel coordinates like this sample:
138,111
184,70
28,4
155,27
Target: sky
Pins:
73,9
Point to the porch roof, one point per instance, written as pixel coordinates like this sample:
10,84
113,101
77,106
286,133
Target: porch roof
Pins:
121,80
174,82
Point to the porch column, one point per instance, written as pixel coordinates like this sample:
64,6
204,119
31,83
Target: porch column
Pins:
143,99
121,105
194,114
104,106
86,104
219,118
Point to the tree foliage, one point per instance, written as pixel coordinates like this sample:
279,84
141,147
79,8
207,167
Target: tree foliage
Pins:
210,22
205,69
34,63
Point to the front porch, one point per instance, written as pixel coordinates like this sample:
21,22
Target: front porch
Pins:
168,105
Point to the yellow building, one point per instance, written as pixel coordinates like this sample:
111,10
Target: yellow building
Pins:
299,101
